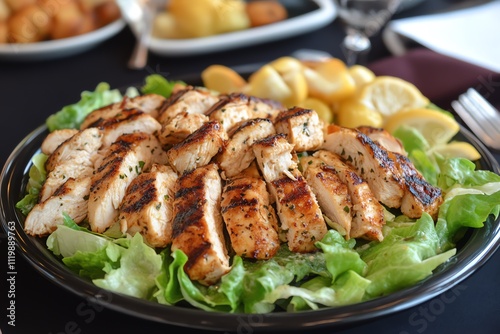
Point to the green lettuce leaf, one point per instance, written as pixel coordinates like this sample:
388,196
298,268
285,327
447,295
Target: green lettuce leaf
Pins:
136,276
158,84
71,116
407,255
37,176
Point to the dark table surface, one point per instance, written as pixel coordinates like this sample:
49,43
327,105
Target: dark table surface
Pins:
31,91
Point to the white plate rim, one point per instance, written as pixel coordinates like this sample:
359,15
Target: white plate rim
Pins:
301,24
60,47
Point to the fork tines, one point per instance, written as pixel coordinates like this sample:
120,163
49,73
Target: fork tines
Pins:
481,117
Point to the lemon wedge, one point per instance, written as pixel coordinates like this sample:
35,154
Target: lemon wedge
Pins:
458,149
266,82
361,75
329,80
352,113
437,127
222,79
389,95
322,109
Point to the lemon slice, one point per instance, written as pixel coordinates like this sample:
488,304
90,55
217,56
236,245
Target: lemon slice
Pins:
458,149
437,127
388,95
322,109
222,79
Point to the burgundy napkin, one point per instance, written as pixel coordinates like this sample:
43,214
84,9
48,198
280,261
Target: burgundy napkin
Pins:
439,77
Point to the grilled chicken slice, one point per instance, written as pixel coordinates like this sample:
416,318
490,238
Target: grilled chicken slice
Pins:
420,196
193,100
236,107
72,159
70,198
124,160
297,208
149,103
237,154
332,193
250,219
198,148
179,127
79,146
126,121
383,138
368,214
303,128
198,226
56,138
371,162
147,207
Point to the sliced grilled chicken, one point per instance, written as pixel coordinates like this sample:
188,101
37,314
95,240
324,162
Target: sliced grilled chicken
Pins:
124,160
197,149
371,162
303,128
249,218
147,206
368,214
79,146
70,198
236,107
297,208
193,100
384,139
198,226
179,127
72,159
332,193
126,121
56,138
420,196
237,154
150,104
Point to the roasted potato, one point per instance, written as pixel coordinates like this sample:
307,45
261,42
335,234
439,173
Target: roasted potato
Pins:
28,25
4,11
262,12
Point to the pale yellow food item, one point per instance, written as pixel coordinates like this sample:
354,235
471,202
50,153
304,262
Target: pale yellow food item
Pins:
437,127
352,113
329,80
389,95
291,71
458,149
266,82
324,112
222,79
201,18
4,11
361,75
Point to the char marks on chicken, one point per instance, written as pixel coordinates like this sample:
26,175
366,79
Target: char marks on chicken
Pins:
197,227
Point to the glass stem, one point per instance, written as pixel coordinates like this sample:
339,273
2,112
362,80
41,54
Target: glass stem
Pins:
355,44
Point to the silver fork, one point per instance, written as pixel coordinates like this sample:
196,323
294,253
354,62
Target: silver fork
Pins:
481,117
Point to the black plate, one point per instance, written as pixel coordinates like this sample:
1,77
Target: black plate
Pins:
474,251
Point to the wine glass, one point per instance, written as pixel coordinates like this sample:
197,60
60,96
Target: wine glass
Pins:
362,19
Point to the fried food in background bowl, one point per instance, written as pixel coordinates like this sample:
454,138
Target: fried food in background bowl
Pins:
183,19
31,21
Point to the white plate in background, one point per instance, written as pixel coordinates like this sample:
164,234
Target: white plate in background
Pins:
296,25
59,48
